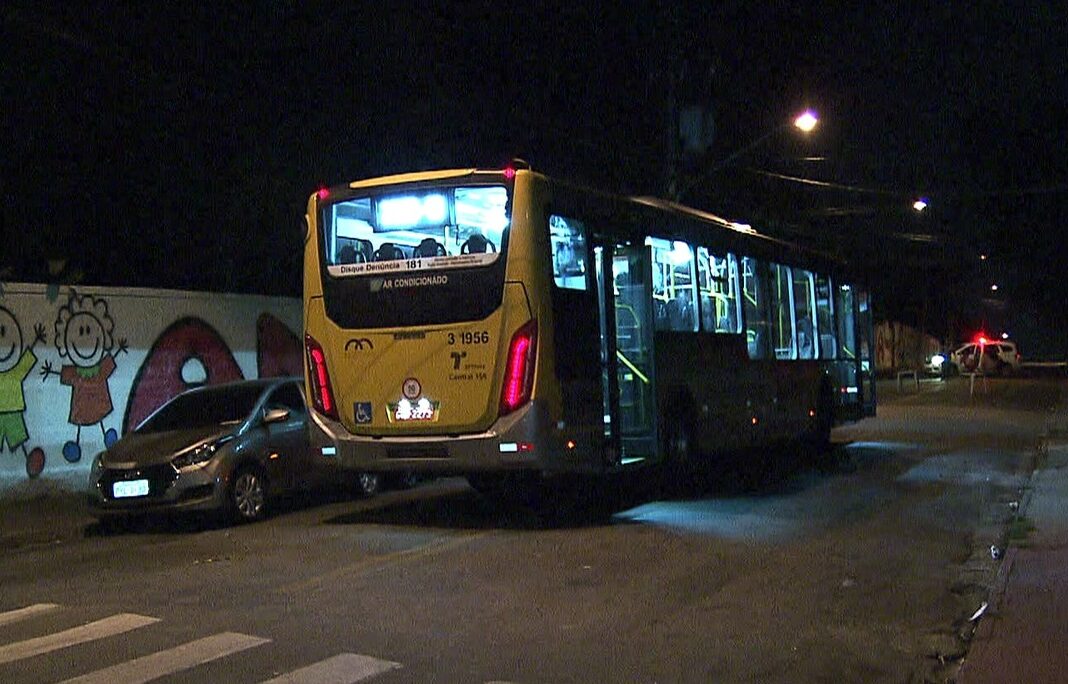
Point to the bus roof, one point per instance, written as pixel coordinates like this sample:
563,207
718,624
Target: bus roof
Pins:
743,231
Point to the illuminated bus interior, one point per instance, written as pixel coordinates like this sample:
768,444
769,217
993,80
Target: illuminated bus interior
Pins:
430,229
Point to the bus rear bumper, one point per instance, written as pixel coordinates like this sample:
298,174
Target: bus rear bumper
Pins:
523,440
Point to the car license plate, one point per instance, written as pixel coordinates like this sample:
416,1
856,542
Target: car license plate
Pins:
130,488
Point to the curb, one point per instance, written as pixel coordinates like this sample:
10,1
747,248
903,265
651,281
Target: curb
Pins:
983,634
44,519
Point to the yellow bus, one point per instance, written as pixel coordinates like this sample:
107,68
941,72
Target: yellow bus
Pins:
494,322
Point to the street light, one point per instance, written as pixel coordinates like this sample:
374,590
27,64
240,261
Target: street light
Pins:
805,122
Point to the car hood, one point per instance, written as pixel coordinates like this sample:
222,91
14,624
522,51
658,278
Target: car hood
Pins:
145,449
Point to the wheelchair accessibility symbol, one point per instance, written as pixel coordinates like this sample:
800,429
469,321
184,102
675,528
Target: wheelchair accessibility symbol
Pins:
362,410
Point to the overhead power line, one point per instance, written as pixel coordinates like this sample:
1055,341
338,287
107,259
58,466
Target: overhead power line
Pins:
1036,190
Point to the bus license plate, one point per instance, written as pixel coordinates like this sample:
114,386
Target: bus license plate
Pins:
130,488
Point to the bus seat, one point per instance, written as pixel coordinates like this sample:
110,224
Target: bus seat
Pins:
477,244
364,249
429,247
348,255
388,252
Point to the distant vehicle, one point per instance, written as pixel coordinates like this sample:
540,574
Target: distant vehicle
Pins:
994,357
936,364
226,447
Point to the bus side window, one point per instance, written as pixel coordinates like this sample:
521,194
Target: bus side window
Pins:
567,242
674,285
718,291
805,313
828,347
846,320
782,313
755,308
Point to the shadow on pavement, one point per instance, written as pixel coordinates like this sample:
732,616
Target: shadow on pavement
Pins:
563,502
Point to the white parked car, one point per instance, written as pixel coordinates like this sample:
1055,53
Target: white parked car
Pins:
996,357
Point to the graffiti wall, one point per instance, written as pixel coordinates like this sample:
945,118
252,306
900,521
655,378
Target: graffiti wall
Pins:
81,366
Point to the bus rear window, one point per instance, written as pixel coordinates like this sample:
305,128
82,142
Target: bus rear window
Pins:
427,229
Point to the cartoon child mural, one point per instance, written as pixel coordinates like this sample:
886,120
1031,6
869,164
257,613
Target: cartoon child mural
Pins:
84,337
16,362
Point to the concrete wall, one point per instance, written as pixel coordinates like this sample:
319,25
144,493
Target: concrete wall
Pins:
81,366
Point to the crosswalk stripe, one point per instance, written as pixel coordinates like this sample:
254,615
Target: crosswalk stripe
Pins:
163,663
109,626
345,668
27,612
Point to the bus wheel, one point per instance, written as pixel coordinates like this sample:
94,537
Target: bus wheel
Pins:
677,445
488,484
820,436
525,489
677,440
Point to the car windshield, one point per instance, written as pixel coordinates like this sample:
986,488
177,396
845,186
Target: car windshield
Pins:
203,408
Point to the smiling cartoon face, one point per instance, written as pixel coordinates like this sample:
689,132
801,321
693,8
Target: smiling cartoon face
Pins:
85,340
10,340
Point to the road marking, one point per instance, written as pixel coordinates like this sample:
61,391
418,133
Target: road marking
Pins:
163,663
346,668
27,612
432,548
109,626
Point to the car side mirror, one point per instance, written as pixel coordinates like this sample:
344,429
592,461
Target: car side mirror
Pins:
276,415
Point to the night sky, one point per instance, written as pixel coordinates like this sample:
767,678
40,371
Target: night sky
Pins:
174,145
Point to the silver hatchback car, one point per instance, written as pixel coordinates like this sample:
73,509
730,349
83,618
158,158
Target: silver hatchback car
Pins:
224,447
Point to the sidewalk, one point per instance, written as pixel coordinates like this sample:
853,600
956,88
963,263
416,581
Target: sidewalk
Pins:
39,512
1020,637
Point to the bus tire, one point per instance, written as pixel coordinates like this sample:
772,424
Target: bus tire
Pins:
819,438
523,489
487,484
677,436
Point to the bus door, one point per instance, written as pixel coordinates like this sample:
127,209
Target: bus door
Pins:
624,289
864,344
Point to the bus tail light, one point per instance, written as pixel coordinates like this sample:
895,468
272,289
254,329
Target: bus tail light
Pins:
519,368
321,391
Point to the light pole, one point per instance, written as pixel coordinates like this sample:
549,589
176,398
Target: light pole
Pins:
804,122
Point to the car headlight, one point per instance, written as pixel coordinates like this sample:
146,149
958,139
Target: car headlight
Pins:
199,454
98,466
938,360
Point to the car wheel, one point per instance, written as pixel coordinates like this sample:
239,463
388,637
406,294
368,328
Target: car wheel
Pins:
248,494
368,484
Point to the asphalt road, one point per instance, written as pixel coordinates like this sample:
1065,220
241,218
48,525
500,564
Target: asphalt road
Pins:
864,571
